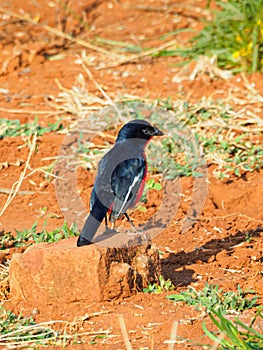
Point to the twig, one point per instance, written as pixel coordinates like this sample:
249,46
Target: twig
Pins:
28,111
107,97
150,52
132,58
250,87
17,184
21,193
45,172
89,316
124,333
173,334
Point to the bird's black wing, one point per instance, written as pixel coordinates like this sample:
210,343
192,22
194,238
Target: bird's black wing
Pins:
126,182
102,186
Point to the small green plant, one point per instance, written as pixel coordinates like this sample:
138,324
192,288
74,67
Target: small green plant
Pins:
22,330
248,237
152,185
236,334
27,237
234,36
162,286
211,297
11,128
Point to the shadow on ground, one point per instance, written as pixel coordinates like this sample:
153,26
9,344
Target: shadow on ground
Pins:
185,276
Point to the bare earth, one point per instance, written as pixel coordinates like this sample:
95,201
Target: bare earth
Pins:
215,250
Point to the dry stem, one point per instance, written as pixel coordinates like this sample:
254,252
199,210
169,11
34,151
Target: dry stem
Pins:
18,183
124,333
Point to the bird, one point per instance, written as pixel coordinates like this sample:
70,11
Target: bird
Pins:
120,178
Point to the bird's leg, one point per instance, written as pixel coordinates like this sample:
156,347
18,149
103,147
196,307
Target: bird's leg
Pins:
106,222
112,221
107,230
144,237
131,223
111,228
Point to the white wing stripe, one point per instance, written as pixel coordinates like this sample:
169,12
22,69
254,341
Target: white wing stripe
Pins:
128,193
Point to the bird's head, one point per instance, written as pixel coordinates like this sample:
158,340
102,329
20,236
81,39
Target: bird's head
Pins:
138,129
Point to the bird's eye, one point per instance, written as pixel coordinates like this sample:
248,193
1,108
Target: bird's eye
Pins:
147,131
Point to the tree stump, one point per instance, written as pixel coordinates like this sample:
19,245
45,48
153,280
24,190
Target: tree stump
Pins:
61,273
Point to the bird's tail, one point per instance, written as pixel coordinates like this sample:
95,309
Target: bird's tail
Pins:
92,224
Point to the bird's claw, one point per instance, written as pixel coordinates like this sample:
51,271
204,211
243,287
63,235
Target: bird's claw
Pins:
83,241
110,231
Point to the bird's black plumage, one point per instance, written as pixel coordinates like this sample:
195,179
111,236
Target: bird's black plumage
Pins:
120,179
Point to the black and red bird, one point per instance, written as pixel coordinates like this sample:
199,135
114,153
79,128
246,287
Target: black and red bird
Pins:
121,177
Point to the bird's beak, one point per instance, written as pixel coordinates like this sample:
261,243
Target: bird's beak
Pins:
157,132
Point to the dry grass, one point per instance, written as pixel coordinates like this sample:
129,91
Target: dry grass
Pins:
4,282
19,332
18,183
